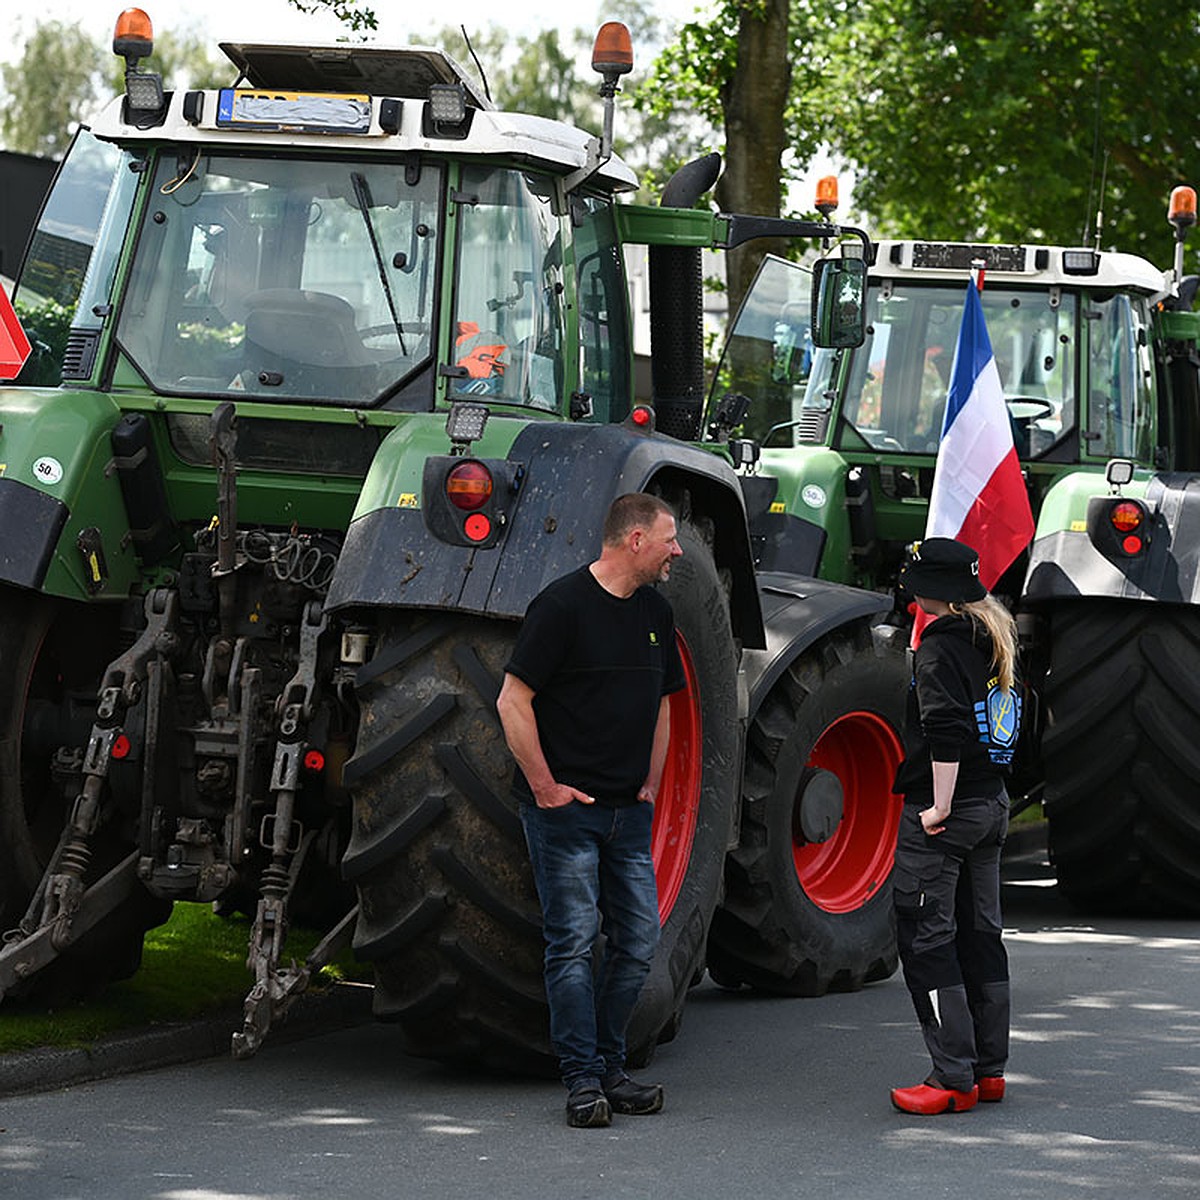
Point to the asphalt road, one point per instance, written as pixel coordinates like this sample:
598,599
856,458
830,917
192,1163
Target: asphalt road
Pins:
765,1098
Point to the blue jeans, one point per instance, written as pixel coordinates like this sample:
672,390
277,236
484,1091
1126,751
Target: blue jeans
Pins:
593,864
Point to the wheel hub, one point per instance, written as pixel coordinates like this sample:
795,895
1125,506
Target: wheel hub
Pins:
819,807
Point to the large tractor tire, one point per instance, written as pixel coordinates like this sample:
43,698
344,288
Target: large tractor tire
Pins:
1121,756
449,915
52,656
803,917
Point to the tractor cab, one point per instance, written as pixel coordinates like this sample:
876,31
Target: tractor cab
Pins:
345,226
850,434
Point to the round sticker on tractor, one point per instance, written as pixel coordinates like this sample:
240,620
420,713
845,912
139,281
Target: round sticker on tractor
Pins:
47,470
813,495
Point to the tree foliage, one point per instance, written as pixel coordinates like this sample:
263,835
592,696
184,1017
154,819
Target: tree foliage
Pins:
357,18
1000,119
996,119
62,75
48,88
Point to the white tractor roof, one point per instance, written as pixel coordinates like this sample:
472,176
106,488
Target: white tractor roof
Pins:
382,74
1045,266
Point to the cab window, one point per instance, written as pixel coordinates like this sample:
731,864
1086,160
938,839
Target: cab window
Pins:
603,292
88,207
507,335
1119,402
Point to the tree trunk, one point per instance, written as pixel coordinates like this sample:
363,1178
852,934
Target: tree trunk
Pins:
754,100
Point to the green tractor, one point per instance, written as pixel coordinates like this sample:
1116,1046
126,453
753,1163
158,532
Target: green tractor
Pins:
332,372
1099,355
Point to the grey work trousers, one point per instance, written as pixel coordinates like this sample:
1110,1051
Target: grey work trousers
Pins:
946,891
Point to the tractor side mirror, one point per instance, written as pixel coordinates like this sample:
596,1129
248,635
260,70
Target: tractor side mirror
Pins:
839,303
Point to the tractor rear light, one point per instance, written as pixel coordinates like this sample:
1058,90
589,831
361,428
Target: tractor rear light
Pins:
467,500
469,486
314,760
121,747
1126,516
1119,527
478,527
641,416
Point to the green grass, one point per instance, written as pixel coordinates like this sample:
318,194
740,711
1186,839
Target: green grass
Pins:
193,966
1032,815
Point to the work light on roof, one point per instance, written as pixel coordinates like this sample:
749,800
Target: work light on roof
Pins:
133,40
1080,262
446,114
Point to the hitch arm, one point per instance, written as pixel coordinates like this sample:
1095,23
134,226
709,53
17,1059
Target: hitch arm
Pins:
25,955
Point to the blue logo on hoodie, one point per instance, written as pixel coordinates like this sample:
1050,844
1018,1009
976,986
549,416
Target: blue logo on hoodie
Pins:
998,719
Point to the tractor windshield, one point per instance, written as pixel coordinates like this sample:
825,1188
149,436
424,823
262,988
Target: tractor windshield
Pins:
898,381
289,279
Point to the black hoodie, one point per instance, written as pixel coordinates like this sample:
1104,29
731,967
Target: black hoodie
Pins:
957,713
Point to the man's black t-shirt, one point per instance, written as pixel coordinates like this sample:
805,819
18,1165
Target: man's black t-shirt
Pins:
599,666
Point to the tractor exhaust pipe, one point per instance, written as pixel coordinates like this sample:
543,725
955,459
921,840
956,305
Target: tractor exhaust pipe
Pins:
677,312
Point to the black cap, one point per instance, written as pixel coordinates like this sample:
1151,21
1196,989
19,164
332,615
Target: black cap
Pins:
943,569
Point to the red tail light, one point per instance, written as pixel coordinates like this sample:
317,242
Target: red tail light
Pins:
469,486
1126,516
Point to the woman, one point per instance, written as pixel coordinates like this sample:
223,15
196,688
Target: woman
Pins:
964,713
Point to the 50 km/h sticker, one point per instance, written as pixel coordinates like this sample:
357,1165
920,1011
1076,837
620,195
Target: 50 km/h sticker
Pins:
47,470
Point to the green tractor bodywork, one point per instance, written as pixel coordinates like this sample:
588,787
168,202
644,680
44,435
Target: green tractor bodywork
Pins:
1099,357
332,372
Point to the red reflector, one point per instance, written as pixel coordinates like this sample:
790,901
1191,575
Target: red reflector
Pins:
1125,516
640,415
469,485
314,760
1132,544
477,527
121,746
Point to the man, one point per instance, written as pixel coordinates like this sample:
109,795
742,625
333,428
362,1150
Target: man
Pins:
586,715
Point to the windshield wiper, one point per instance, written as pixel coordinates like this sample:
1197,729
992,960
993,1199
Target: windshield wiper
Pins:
363,194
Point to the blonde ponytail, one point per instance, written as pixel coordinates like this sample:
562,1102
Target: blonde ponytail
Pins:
1002,629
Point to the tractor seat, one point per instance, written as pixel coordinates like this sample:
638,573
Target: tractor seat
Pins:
312,329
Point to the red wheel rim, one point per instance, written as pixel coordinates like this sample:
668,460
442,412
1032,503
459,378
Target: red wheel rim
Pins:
677,808
842,874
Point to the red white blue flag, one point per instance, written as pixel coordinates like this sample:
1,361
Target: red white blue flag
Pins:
978,495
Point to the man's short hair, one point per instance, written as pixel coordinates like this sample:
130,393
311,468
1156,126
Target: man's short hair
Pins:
632,511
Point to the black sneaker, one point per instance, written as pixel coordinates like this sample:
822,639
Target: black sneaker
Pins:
633,1099
587,1108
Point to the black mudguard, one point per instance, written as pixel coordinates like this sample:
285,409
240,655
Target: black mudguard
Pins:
1067,564
797,611
31,523
571,475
